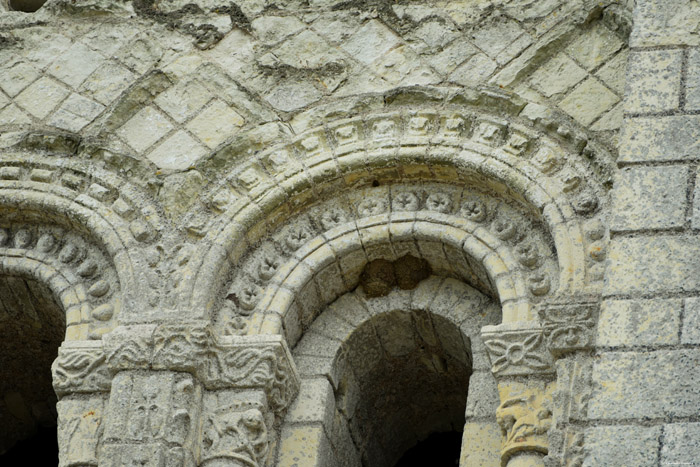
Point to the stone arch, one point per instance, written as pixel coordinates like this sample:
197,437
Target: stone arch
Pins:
107,212
453,143
357,339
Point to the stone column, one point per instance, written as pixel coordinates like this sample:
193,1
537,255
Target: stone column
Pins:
81,381
524,369
181,396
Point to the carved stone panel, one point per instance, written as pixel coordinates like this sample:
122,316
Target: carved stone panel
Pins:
80,425
235,429
80,367
159,407
517,351
569,325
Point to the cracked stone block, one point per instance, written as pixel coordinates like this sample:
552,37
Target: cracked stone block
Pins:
13,115
14,77
108,82
613,73
306,50
273,29
644,199
589,101
75,113
215,124
370,42
293,95
474,71
653,81
76,64
495,37
145,128
594,47
42,97
558,75
180,151
450,57
184,100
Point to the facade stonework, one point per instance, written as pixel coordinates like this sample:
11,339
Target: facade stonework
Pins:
318,232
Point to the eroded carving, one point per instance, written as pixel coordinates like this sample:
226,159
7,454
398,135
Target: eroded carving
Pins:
569,324
524,420
80,368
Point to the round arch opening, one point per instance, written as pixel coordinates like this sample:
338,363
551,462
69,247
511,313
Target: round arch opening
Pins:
388,377
32,327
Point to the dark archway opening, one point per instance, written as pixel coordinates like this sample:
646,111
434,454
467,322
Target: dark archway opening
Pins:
32,327
439,449
412,389
27,6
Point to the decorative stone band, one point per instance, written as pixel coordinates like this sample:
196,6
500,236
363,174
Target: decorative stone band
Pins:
569,323
517,349
228,362
80,367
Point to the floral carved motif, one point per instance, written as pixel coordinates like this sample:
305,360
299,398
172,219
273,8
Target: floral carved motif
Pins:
520,352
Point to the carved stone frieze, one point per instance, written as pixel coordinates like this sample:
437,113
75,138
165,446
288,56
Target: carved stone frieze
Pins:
516,351
80,367
258,362
79,429
569,324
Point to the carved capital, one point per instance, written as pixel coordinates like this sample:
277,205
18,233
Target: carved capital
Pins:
80,368
525,418
517,350
235,430
569,323
254,362
225,362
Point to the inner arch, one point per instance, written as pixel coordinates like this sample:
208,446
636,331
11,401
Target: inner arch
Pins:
32,327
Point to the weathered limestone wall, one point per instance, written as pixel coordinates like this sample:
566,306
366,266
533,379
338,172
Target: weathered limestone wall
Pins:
272,227
646,394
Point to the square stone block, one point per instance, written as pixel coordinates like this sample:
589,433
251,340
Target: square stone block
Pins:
651,384
646,139
595,46
664,263
653,81
681,445
481,444
622,445
589,101
315,403
557,76
304,446
649,198
639,322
